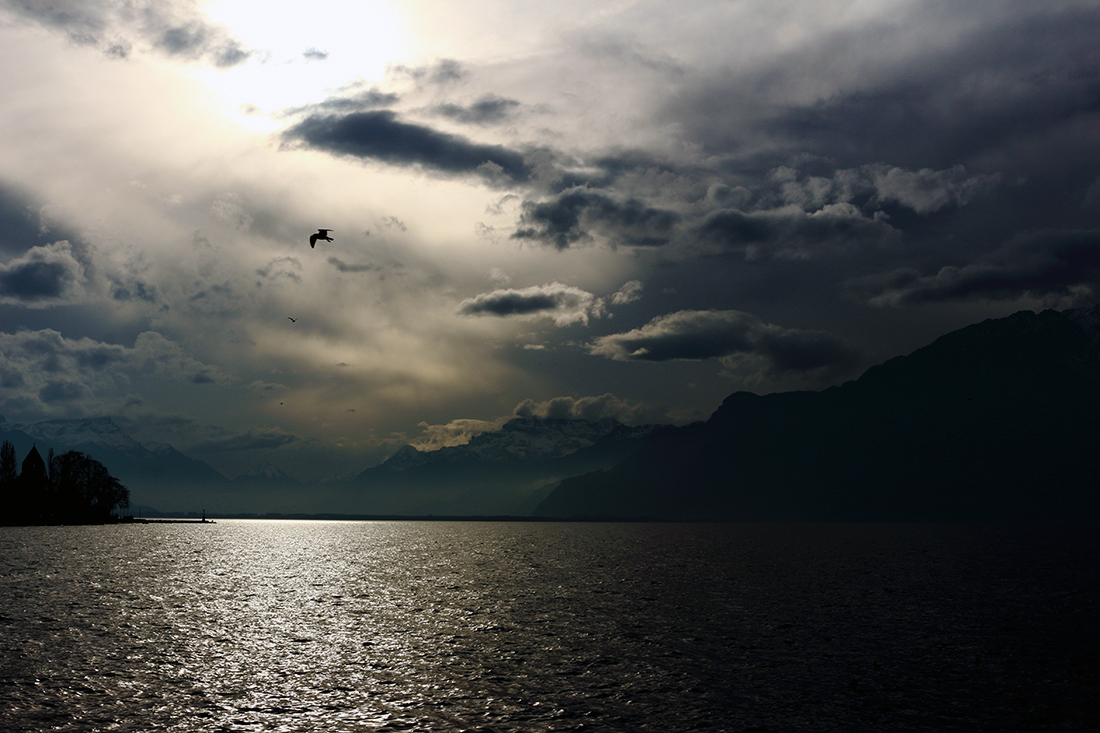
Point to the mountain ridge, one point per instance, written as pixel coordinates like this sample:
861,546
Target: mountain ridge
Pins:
990,422
520,438
266,472
502,472
994,421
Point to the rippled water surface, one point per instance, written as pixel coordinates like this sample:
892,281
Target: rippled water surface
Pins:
441,626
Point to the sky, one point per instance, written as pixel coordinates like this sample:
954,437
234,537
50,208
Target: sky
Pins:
620,210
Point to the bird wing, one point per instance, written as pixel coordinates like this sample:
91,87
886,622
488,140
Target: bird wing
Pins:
313,240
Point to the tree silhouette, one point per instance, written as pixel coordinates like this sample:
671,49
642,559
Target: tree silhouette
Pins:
8,464
11,499
70,488
86,491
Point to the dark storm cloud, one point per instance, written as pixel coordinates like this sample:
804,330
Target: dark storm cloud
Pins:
58,373
574,215
801,210
46,350
250,440
24,223
168,423
796,350
18,226
563,303
489,109
509,303
62,391
1007,83
99,356
10,378
597,407
1024,71
39,343
35,280
923,191
133,292
792,234
697,335
947,133
379,135
645,174
44,276
1040,265
177,30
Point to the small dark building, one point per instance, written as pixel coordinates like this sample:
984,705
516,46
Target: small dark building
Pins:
34,469
27,497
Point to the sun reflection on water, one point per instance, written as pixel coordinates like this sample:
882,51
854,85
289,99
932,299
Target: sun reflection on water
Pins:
305,626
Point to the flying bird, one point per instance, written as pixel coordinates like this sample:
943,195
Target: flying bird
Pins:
321,234
293,320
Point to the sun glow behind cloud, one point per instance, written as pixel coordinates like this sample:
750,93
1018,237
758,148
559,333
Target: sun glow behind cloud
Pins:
302,51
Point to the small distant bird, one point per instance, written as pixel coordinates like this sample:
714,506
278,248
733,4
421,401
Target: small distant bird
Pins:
321,234
293,320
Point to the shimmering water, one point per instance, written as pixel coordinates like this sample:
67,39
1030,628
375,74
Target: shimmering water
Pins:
422,626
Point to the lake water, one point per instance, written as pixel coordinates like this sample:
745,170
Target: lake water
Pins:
463,626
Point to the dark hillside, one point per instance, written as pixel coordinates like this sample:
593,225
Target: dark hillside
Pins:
994,422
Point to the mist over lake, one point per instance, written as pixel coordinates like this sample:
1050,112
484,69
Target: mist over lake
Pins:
451,626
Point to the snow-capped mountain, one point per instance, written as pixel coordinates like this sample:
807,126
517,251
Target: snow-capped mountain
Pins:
522,439
502,472
98,432
266,473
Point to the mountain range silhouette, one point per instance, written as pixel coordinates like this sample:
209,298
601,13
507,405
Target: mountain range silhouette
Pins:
997,421
500,472
994,422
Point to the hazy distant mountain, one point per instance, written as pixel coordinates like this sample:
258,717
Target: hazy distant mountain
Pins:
90,434
265,473
20,439
996,421
156,474
505,471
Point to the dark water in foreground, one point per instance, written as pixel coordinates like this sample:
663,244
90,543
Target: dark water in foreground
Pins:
417,626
